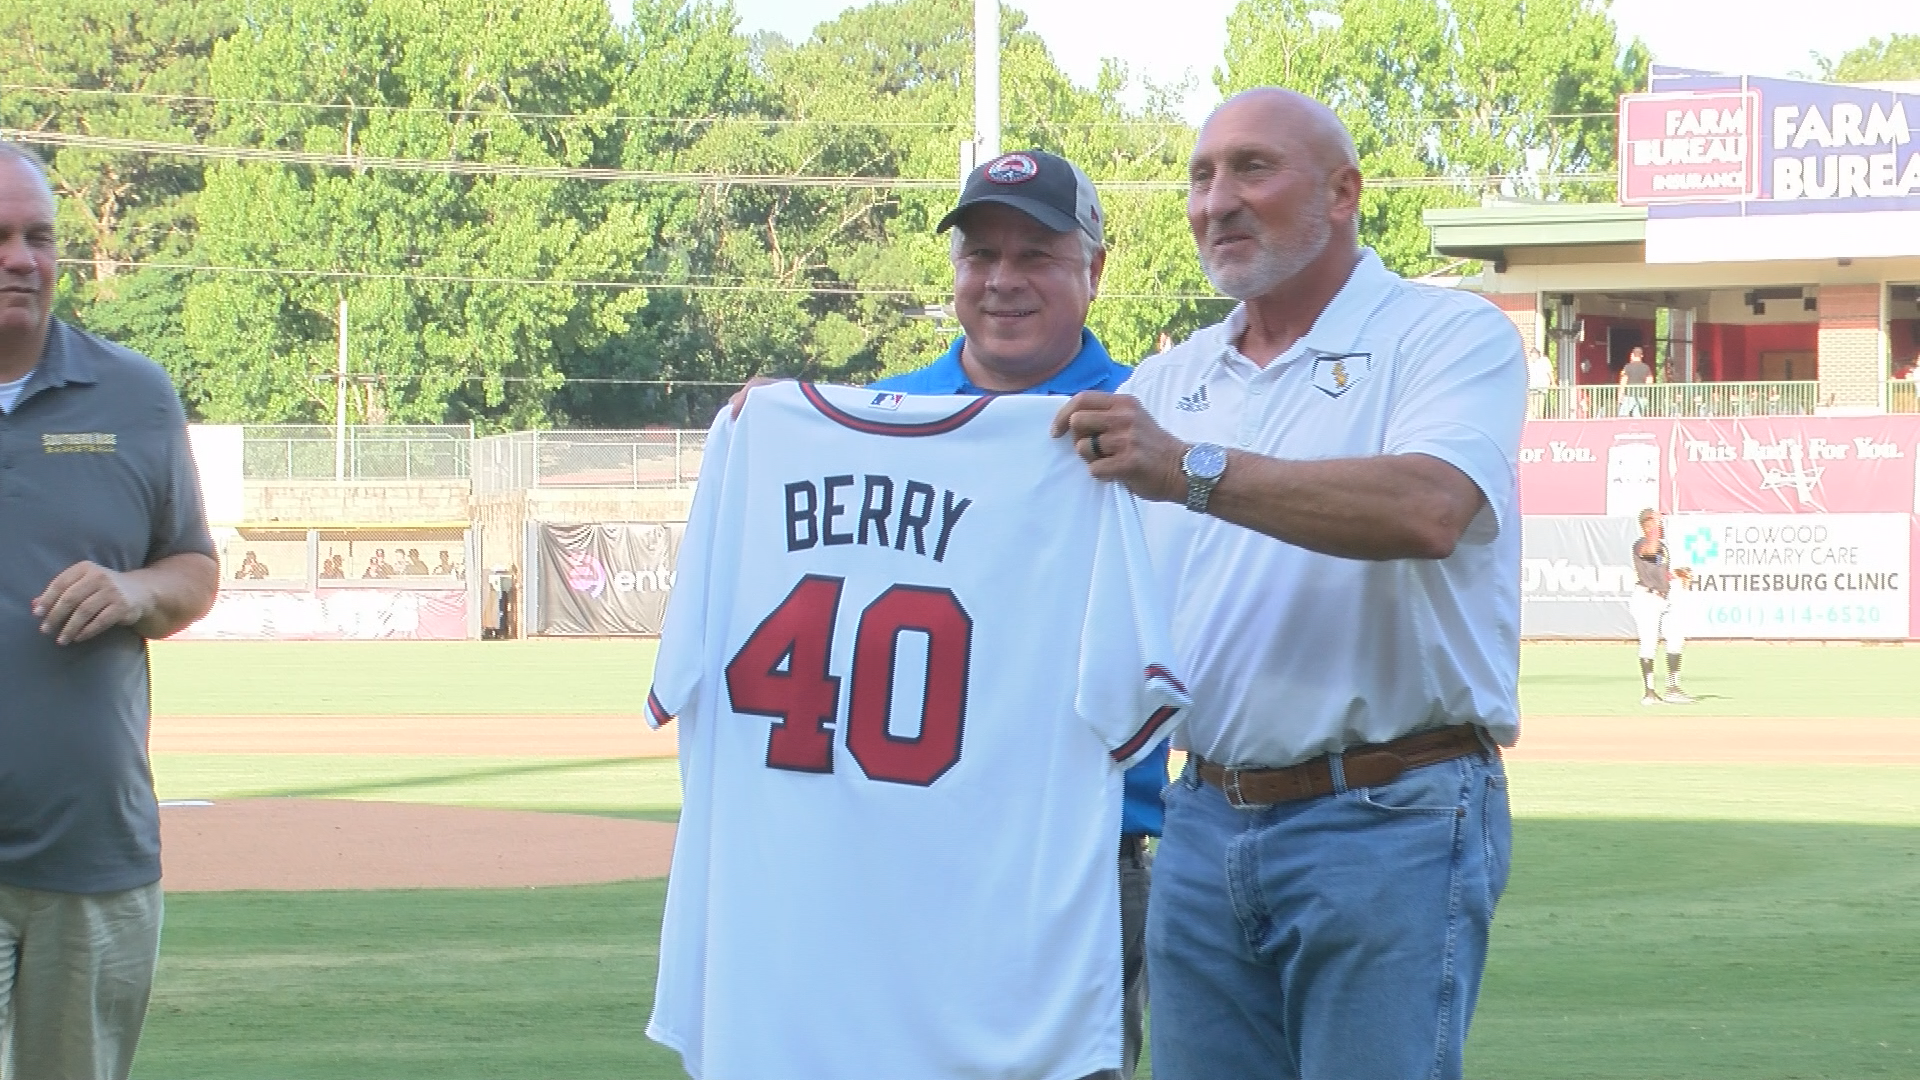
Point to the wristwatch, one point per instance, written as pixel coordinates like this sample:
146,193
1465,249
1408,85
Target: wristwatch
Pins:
1202,464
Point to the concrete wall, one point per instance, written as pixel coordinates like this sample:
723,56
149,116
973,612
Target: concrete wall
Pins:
322,503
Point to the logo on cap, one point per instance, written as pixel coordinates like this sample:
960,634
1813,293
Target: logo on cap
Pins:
1012,169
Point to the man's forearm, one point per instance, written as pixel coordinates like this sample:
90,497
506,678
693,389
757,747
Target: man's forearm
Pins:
179,589
1405,506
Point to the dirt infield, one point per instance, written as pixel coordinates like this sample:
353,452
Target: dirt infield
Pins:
301,844
1669,734
294,844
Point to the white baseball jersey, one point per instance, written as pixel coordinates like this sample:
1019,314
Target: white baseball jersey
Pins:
912,647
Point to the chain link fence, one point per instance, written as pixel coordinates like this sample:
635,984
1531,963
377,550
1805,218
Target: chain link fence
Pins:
607,459
372,452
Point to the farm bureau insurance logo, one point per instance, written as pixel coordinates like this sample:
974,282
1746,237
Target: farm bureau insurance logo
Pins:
1689,147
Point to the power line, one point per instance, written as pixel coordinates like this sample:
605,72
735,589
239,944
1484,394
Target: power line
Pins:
576,283
514,114
692,121
690,179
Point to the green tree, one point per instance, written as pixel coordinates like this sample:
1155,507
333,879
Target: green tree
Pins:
1456,91
1890,59
442,272
118,69
910,62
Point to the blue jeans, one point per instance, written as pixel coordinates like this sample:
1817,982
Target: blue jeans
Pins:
1338,938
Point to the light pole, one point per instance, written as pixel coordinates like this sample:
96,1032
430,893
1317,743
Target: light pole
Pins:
985,144
340,400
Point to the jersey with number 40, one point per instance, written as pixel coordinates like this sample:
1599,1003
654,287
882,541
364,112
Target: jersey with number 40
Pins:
912,646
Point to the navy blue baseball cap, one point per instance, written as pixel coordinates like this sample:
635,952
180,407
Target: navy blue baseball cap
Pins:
1046,187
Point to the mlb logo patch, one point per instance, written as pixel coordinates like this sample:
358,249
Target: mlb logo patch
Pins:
1335,375
887,401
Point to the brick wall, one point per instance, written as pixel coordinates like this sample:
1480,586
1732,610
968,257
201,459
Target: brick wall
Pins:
1524,310
1851,372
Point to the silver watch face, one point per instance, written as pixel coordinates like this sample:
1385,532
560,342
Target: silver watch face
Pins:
1205,461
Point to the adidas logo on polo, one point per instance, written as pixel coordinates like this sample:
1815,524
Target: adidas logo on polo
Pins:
1194,402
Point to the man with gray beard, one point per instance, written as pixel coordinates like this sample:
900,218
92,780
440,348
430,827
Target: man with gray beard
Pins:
1333,508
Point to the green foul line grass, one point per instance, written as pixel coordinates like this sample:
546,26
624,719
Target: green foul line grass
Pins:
594,784
1623,950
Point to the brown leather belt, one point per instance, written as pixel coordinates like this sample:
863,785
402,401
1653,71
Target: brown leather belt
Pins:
1366,765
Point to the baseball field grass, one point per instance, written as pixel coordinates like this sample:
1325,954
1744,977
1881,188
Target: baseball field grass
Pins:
1664,920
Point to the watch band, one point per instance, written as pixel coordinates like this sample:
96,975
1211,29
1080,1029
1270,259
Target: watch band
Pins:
1199,492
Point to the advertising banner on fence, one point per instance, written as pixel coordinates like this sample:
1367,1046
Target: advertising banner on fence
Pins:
340,613
1575,576
1834,576
1796,465
1777,465
1592,466
605,579
1751,169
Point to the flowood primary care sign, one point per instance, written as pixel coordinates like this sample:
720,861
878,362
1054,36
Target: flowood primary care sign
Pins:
1795,575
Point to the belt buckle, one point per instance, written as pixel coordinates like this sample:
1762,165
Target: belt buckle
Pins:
1234,798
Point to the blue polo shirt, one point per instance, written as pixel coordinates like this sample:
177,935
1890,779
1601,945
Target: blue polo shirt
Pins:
1090,369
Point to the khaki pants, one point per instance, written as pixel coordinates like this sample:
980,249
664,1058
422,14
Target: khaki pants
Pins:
75,974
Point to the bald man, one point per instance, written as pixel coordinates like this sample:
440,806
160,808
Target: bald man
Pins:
103,545
1332,503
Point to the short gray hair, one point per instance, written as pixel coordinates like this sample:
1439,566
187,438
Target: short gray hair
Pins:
32,160
1089,247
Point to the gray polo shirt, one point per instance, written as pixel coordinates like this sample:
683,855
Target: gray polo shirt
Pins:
94,466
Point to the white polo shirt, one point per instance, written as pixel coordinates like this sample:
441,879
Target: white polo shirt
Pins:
1291,654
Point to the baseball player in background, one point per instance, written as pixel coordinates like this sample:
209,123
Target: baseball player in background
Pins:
1652,606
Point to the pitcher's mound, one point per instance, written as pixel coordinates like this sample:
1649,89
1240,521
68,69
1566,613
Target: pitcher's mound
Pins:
302,844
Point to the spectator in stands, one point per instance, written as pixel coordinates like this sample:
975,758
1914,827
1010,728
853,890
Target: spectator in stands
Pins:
334,568
1636,372
445,567
415,564
378,566
250,568
1540,381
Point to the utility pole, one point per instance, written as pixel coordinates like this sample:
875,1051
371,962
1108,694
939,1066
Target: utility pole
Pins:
340,400
985,145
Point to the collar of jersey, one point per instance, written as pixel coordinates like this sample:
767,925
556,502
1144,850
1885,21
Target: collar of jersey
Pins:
1338,329
1092,368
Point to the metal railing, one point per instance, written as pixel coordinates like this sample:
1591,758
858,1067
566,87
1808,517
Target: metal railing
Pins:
1705,399
610,459
373,452
1903,396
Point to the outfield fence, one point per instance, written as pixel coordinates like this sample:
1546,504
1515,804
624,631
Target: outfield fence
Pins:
603,459
369,452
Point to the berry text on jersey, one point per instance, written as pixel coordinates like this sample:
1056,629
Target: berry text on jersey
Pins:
828,513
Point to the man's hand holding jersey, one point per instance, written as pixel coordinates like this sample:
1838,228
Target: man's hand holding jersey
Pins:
1119,441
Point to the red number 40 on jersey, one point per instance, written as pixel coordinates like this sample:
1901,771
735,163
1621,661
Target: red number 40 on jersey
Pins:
785,671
